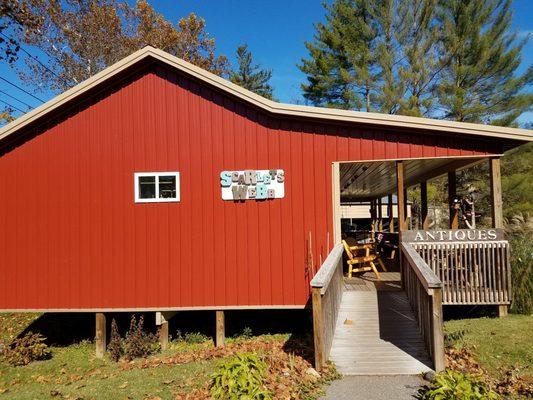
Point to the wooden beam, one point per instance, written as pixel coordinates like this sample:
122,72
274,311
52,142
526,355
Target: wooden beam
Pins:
401,193
220,336
452,192
424,205
318,328
496,192
101,335
336,197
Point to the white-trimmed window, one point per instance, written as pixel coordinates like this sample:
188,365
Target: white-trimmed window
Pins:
157,187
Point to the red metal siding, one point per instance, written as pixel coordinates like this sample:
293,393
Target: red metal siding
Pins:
72,237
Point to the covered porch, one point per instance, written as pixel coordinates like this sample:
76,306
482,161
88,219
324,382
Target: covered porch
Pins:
391,322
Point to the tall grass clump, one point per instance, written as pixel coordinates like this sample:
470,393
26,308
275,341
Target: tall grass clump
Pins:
520,235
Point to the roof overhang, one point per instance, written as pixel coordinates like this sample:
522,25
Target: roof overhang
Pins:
367,180
292,110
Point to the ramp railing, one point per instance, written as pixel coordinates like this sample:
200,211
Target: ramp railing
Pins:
326,289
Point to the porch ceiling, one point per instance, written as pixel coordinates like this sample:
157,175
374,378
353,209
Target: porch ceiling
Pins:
361,181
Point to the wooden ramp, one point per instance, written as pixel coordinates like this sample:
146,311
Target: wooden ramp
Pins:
376,332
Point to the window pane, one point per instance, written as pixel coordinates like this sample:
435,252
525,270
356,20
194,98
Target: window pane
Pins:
147,187
167,187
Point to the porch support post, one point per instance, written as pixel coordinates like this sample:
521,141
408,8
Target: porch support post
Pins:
452,191
497,208
220,336
401,196
390,213
424,205
438,331
496,192
336,193
161,320
101,335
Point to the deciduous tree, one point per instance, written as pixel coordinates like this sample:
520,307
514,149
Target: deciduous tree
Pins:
82,37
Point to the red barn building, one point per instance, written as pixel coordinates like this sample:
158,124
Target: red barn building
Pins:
112,193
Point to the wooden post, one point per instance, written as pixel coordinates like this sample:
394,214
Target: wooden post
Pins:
390,213
161,320
401,196
373,218
496,193
496,207
220,329
438,331
336,193
424,205
318,328
380,215
452,191
101,335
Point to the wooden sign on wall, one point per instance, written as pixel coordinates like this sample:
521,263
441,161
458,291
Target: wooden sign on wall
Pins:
253,184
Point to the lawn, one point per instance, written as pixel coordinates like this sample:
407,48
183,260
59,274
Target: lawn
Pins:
73,372
499,344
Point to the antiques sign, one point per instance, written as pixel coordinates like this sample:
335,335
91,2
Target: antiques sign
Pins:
253,184
453,235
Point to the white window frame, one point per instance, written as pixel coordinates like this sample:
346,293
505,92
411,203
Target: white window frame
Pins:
138,175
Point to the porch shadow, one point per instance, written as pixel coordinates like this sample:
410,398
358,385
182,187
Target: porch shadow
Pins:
398,325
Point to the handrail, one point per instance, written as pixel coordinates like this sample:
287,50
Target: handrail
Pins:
326,290
424,291
323,276
427,277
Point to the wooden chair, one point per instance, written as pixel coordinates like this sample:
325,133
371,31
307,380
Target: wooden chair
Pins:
362,263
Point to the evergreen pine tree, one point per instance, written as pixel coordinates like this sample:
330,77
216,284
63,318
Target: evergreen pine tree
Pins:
251,76
341,70
481,58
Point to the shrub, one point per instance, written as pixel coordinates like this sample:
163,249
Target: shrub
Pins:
30,347
195,337
114,348
520,234
240,377
139,344
451,385
452,338
246,333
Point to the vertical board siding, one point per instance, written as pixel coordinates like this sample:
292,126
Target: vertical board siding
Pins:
72,237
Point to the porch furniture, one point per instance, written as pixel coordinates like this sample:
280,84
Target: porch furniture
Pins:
362,263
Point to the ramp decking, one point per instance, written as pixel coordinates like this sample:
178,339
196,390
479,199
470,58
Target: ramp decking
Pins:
376,332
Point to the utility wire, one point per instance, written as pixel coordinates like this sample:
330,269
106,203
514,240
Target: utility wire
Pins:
29,54
12,106
14,98
19,88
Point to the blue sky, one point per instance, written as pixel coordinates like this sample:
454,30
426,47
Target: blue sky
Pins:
275,32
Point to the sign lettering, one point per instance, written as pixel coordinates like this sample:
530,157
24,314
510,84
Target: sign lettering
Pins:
253,184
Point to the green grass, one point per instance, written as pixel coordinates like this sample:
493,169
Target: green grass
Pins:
74,371
498,343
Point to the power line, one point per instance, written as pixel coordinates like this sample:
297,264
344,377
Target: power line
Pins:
19,88
29,54
12,106
14,98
